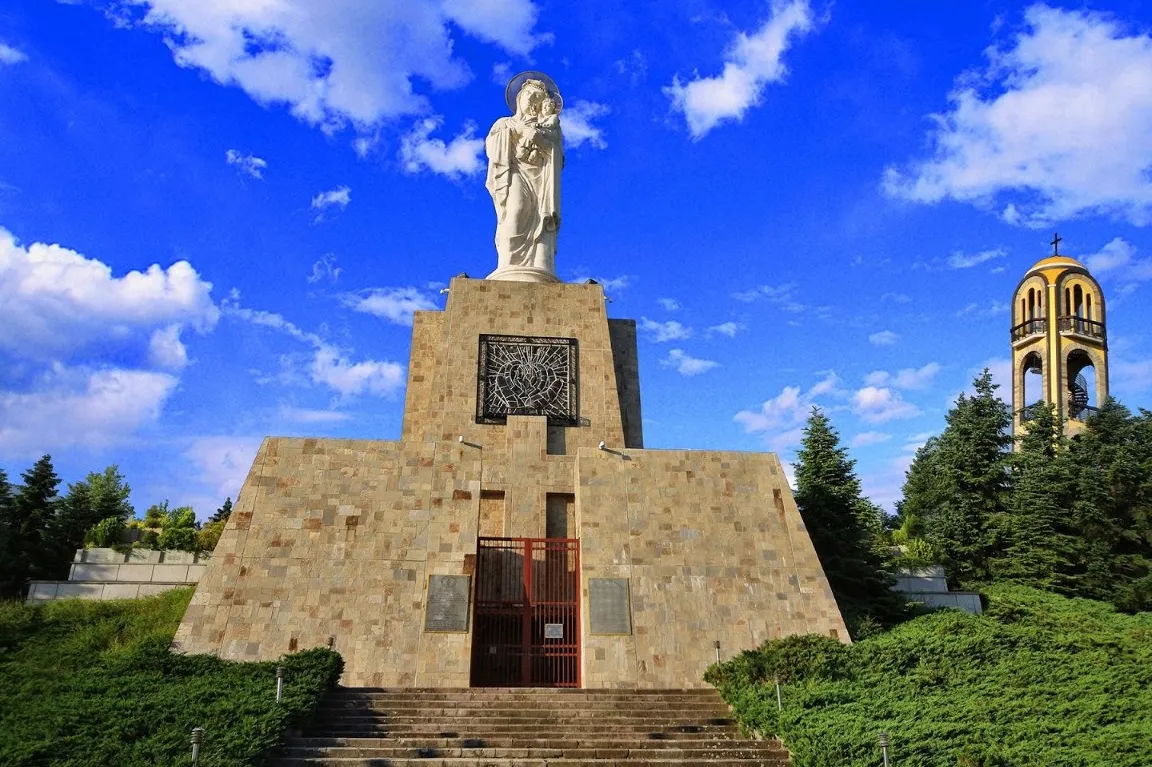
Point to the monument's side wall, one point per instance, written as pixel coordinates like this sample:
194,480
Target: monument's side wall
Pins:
714,548
627,366
337,538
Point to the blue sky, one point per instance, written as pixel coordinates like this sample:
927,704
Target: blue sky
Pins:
217,218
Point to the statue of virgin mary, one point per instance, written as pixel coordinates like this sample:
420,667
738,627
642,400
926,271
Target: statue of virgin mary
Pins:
525,155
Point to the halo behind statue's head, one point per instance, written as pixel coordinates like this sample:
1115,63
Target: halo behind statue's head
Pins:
512,92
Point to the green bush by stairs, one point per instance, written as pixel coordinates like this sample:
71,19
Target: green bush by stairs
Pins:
93,683
1037,681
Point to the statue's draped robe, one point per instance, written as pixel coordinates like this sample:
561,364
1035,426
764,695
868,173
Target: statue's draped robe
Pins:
526,195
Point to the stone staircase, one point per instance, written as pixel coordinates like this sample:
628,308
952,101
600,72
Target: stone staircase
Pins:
501,727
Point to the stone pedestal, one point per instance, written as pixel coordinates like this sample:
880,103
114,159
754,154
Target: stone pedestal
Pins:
523,274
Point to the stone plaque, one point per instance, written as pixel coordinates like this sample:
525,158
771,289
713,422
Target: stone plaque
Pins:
609,606
553,630
521,375
448,603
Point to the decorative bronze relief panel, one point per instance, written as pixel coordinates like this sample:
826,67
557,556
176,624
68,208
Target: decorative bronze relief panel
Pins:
523,375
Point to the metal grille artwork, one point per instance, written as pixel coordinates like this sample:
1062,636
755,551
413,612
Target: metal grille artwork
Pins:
519,375
527,622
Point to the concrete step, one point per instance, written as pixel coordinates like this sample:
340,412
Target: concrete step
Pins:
725,749
681,740
593,708
479,720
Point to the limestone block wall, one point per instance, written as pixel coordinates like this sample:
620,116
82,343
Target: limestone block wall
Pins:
101,573
714,548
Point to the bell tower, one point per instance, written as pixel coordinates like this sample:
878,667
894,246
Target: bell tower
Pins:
1059,343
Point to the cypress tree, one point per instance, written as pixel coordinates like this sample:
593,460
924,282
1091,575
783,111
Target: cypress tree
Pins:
843,526
967,477
8,580
223,512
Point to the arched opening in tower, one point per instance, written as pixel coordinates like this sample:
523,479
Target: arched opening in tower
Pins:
1081,385
1032,381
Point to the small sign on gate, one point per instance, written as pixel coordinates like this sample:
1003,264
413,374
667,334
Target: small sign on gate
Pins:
553,630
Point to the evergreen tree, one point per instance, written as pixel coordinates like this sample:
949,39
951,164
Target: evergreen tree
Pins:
844,526
959,492
88,502
8,580
1036,545
34,507
157,515
223,513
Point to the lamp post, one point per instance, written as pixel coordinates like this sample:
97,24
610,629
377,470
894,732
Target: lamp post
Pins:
779,697
279,683
883,741
197,739
716,644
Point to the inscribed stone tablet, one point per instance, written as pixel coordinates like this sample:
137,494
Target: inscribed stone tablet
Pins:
448,602
609,606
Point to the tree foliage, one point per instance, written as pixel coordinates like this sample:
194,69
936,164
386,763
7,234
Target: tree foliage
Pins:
845,527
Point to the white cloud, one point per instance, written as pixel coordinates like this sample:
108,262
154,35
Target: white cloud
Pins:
576,124
896,298
729,329
246,163
880,404
9,55
782,296
1117,261
339,197
687,365
393,304
501,73
670,304
780,418
908,378
166,350
336,63
325,269
1060,122
664,331
307,415
329,365
81,408
610,284
990,309
750,64
883,338
459,157
960,260
222,462
54,300
1130,374
866,438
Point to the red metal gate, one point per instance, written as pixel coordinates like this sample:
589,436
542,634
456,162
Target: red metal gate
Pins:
526,631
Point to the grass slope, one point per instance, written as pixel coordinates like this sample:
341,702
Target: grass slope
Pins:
1037,680
93,683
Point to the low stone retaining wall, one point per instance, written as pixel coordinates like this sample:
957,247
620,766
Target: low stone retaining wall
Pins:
109,574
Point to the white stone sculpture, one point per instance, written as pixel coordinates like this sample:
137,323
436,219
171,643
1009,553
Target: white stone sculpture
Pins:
525,156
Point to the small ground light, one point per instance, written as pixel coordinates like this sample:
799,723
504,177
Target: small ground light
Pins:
716,644
779,697
279,683
883,741
197,739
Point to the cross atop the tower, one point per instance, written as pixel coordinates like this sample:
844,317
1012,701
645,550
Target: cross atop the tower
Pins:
1056,245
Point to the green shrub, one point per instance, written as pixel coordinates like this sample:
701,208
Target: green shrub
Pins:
93,683
177,538
1037,681
106,533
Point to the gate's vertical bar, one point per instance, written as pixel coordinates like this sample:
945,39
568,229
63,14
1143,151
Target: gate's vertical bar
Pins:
526,620
578,585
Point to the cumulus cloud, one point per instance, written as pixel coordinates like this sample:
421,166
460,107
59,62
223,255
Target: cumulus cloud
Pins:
576,124
325,270
1117,261
753,62
780,296
81,408
664,331
166,350
686,365
883,338
308,415
866,438
907,378
9,55
729,329
338,197
1059,124
329,365
54,301
669,304
961,260
880,404
454,159
248,164
780,418
989,309
334,64
396,305
222,462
